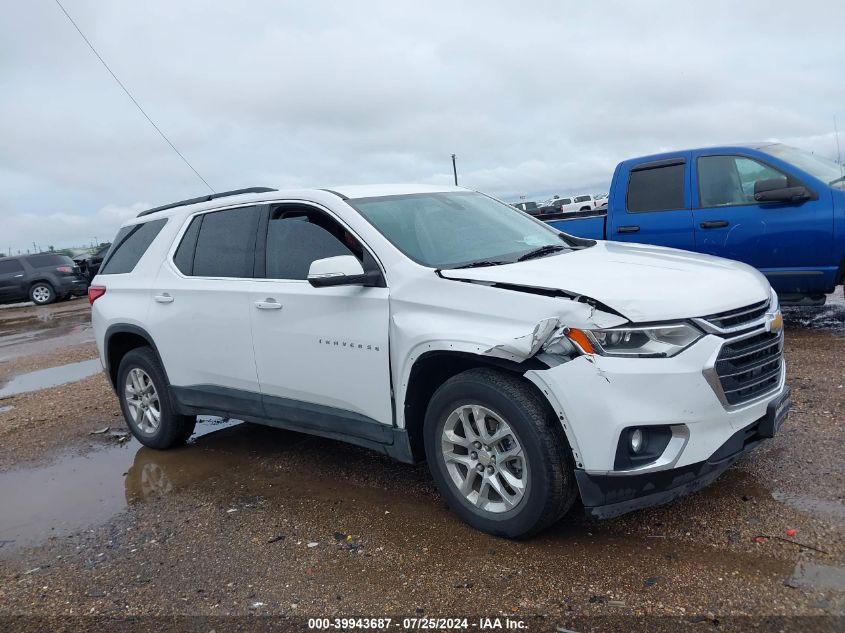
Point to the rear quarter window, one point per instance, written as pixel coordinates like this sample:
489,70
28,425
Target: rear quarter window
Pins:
129,247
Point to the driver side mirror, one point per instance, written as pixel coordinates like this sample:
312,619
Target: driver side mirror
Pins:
778,190
343,270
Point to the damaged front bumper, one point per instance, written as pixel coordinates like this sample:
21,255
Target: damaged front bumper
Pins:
607,496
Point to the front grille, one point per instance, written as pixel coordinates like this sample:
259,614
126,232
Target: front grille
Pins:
749,367
739,316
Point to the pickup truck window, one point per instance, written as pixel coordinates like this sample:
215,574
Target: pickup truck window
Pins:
656,189
729,180
582,198
566,201
446,230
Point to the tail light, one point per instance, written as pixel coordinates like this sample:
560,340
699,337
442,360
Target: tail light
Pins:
65,269
95,292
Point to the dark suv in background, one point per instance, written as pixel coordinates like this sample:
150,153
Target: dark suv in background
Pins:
41,279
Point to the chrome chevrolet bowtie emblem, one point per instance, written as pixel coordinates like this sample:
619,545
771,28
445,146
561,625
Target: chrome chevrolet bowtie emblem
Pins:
774,322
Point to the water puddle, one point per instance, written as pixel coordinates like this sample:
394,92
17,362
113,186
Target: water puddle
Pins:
78,491
817,577
51,377
829,318
46,330
812,505
3,409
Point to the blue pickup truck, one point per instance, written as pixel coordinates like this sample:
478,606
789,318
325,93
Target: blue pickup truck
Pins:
778,208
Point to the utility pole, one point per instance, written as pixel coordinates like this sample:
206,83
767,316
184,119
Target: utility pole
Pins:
455,170
836,135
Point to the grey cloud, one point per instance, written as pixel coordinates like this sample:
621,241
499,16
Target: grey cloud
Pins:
535,98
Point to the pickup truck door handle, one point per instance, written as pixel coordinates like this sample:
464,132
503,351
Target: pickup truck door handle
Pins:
163,298
268,304
16,276
628,229
714,224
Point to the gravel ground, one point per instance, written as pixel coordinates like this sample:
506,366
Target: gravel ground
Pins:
252,521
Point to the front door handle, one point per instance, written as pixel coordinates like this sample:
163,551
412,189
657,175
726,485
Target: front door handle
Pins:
628,229
18,276
714,224
268,304
163,298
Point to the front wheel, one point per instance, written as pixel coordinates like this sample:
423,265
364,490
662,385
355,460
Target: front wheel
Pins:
146,403
497,455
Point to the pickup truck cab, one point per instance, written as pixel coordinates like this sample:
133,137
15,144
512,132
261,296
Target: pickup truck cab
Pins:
530,369
777,208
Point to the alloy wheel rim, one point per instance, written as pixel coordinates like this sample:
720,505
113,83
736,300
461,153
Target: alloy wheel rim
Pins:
142,401
41,294
484,458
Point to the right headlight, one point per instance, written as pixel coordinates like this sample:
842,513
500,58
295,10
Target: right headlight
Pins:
647,341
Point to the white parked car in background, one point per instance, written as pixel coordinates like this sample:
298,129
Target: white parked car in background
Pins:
529,368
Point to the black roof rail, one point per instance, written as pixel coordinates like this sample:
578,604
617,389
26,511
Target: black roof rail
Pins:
212,196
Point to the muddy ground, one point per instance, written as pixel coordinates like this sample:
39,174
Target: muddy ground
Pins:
250,521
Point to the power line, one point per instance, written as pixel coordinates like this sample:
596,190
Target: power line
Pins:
128,94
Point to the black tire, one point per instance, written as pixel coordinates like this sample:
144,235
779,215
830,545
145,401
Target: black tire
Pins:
550,490
41,293
173,429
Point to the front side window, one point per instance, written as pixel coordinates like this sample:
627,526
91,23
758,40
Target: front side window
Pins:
447,230
659,188
226,243
10,266
298,236
129,246
725,181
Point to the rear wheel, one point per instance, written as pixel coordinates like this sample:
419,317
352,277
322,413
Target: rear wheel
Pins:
42,293
146,403
497,455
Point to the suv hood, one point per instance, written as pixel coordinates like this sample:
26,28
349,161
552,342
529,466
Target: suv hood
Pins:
643,283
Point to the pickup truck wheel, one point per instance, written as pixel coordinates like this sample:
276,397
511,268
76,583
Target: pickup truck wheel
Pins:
42,293
146,403
497,455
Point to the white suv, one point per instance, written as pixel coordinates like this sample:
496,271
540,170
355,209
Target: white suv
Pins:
530,368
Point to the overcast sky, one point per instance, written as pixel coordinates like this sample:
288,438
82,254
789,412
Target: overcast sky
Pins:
535,98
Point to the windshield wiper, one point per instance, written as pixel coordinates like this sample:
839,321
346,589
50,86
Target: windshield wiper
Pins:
835,180
540,252
480,264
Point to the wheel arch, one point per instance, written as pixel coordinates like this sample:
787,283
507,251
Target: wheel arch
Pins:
431,369
120,339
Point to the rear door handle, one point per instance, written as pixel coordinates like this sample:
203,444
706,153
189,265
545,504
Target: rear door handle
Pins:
268,304
628,229
714,224
16,276
163,298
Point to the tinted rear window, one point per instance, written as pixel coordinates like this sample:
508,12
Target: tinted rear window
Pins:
656,189
129,246
184,256
46,261
10,266
226,243
582,198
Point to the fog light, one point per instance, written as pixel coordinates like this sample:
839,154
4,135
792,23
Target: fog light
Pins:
637,441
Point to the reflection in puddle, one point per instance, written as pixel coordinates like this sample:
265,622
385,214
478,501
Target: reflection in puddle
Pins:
830,317
84,490
51,377
27,335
